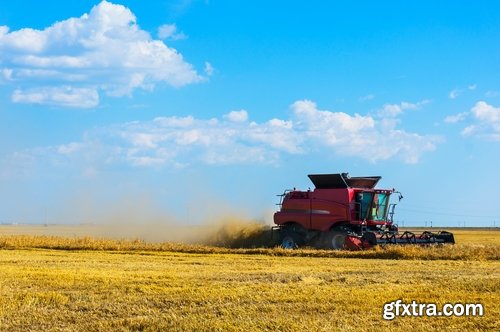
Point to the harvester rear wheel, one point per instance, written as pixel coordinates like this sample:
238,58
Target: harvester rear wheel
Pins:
335,240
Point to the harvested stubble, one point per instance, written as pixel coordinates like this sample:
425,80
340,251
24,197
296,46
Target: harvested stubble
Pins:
57,283
444,252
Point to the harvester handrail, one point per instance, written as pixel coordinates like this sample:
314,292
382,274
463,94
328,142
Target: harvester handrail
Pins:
281,196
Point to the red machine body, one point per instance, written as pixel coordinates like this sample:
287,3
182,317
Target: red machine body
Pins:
343,212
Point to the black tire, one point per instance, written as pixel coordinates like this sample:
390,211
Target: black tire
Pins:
335,240
291,238
289,241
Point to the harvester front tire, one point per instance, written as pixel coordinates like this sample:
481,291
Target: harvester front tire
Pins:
335,240
290,239
288,242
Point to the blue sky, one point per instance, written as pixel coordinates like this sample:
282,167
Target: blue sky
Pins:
196,109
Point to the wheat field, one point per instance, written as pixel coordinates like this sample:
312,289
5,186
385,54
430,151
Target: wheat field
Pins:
58,283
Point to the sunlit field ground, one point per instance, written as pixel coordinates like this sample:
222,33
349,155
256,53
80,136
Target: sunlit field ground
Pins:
71,282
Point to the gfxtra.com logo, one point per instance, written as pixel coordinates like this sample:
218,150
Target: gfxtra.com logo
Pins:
399,308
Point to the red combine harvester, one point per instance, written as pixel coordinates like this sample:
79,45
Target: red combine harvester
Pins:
344,212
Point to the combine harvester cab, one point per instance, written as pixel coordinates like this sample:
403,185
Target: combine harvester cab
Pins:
344,212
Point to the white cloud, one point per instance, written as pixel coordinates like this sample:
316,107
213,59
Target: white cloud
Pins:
492,94
183,141
232,139
65,96
392,110
485,112
237,116
486,122
104,50
169,31
469,130
6,74
360,136
209,69
3,30
69,148
367,97
456,118
454,93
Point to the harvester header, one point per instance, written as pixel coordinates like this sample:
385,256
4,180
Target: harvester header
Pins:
344,212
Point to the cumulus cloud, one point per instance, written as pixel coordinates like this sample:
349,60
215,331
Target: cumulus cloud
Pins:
360,136
492,94
104,50
169,31
230,140
69,148
486,113
454,93
469,130
392,110
233,139
485,121
367,97
65,96
209,69
456,117
237,116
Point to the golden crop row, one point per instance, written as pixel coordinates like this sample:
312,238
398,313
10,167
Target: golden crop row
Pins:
443,252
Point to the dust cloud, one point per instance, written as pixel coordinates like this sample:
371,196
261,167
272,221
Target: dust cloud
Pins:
203,219
187,207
